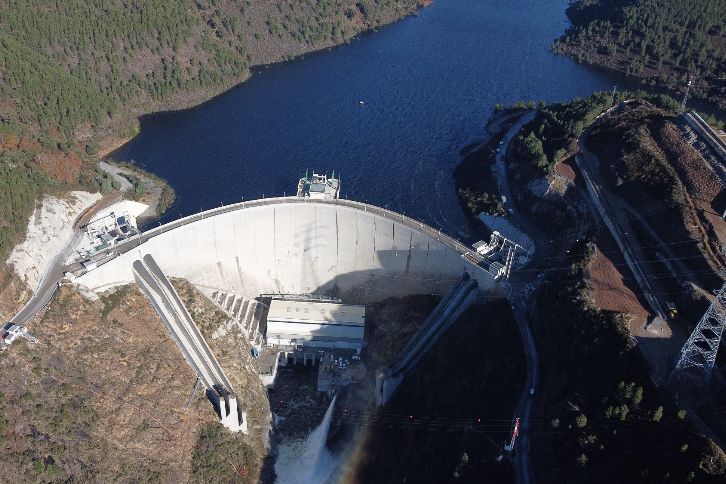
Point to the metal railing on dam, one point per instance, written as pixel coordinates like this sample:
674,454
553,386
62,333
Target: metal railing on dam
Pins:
409,222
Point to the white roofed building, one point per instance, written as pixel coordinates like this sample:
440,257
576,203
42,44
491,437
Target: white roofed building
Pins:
315,324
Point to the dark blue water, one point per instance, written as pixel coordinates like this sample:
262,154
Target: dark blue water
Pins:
429,83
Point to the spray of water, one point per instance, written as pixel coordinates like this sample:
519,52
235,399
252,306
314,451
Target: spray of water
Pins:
309,461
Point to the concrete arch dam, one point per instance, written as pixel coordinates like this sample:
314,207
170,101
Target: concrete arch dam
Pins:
293,245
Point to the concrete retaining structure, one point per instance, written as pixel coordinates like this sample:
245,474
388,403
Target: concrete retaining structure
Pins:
190,341
459,298
696,122
293,245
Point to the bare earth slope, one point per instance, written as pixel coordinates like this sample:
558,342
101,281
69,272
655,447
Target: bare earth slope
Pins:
103,397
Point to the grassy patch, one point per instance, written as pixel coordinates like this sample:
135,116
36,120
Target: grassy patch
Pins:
113,300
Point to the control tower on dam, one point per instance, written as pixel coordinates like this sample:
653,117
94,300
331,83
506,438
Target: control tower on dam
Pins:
300,245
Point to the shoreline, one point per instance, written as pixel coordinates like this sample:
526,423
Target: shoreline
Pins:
140,185
187,101
115,133
482,193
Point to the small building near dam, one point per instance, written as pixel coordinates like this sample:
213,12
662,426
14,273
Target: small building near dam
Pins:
319,325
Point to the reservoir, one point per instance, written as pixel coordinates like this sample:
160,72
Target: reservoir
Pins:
428,84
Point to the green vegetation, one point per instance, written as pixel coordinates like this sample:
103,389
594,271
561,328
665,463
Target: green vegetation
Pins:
662,42
635,159
476,186
533,150
555,130
612,423
221,456
144,185
113,300
74,74
63,413
20,184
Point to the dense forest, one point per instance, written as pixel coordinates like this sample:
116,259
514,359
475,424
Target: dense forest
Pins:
75,74
662,42
604,419
554,132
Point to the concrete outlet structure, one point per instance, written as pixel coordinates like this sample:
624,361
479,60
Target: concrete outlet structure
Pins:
162,295
457,300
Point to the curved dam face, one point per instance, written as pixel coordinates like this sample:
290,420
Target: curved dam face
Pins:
293,245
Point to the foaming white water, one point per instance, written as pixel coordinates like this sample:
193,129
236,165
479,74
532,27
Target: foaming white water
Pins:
308,461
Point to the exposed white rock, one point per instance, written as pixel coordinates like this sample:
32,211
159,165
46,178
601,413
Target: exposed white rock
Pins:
50,230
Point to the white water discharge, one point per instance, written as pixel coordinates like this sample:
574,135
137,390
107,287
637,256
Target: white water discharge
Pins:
308,461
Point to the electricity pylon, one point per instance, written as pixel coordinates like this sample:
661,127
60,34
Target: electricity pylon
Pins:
698,355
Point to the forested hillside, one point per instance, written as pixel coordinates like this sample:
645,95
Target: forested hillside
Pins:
662,42
75,74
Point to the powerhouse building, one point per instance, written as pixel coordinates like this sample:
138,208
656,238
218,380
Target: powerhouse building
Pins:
315,324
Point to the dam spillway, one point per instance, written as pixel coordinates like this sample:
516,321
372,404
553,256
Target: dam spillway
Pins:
294,245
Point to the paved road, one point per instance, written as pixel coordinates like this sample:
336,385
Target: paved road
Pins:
502,179
116,174
54,273
526,402
48,283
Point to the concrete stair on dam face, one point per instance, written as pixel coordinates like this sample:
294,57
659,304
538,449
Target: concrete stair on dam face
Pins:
259,317
242,312
247,315
236,306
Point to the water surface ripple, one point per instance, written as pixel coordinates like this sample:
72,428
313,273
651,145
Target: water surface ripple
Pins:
428,83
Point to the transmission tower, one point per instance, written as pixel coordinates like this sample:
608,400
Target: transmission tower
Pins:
699,353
